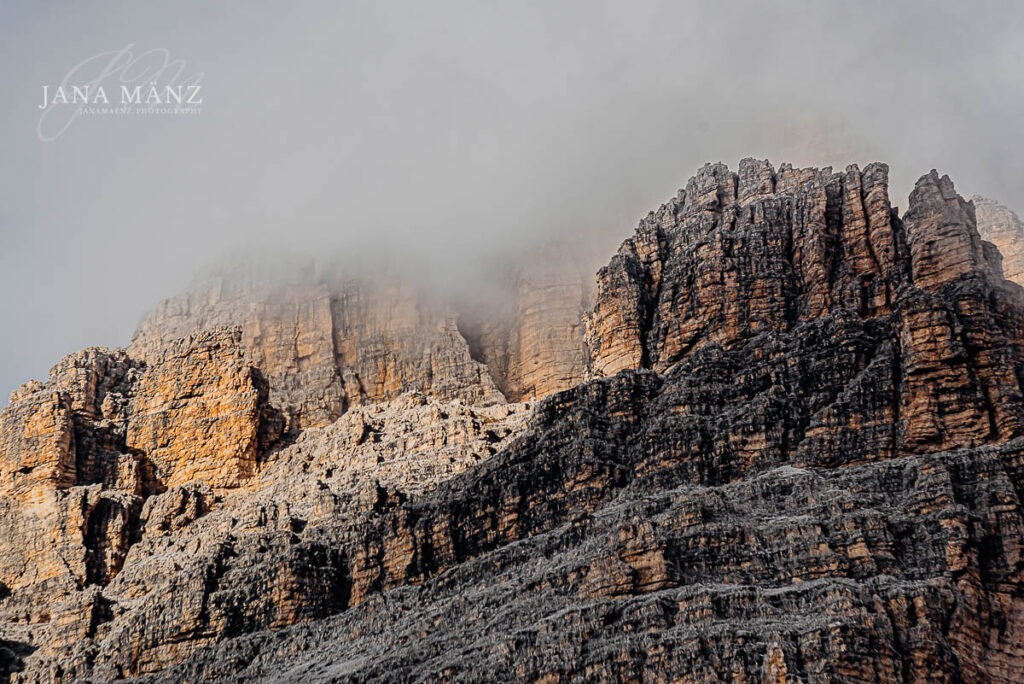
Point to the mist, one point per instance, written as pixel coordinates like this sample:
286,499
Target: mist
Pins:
446,133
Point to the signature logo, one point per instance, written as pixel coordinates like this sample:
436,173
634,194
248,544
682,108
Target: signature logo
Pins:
119,82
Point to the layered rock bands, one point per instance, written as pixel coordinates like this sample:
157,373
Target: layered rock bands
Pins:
781,442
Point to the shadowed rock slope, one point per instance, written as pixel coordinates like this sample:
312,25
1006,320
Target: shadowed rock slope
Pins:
799,458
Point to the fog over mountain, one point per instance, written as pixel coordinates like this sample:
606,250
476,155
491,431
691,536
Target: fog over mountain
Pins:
447,133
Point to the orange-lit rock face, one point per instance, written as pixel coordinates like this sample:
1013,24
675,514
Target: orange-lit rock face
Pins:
548,357
944,242
196,413
806,463
391,338
739,255
960,329
59,529
287,332
80,452
736,254
36,444
327,344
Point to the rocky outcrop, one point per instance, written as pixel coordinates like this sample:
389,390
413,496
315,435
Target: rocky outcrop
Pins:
200,413
1004,229
799,458
37,447
286,329
324,345
391,337
69,489
80,453
736,254
740,255
326,342
529,333
203,564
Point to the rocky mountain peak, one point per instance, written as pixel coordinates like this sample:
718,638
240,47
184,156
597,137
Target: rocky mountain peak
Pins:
781,437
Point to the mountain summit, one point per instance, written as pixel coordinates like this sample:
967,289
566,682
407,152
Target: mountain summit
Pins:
778,439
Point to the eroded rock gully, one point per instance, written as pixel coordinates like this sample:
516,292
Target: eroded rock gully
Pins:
783,444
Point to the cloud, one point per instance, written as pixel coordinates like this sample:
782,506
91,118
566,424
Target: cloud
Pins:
448,131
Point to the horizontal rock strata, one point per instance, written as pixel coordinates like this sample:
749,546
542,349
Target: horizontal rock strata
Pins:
784,444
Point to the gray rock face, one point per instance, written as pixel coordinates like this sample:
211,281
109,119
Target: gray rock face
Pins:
1005,230
878,572
800,458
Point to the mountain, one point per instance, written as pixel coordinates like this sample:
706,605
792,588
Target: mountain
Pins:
779,439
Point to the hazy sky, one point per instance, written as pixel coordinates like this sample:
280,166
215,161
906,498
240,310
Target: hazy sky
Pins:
443,130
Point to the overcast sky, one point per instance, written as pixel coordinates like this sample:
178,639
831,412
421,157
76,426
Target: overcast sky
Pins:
444,130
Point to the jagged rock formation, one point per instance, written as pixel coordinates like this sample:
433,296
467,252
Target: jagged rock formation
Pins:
285,320
805,463
1003,228
323,349
755,252
204,564
80,453
325,343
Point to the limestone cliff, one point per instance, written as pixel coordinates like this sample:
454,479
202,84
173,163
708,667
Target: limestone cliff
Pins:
1004,229
738,255
530,335
324,348
798,457
328,342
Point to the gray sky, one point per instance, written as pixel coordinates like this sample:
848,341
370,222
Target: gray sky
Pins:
447,130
